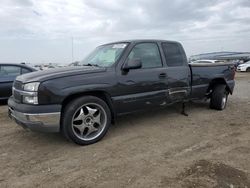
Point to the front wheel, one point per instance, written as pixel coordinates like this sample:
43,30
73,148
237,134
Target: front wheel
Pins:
219,97
86,120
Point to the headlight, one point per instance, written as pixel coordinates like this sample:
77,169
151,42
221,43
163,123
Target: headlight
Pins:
30,99
31,86
30,93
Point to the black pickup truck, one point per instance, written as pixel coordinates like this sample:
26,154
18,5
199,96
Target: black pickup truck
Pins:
117,78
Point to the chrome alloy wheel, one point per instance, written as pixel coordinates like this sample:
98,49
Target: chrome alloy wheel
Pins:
224,101
89,121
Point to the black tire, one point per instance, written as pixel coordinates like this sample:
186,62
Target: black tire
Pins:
69,114
219,97
248,69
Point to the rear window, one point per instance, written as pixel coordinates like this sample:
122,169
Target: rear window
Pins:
24,70
174,54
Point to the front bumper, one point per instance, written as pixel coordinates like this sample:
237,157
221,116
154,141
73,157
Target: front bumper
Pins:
42,118
241,69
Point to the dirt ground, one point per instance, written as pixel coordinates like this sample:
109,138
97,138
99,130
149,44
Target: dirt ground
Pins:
152,149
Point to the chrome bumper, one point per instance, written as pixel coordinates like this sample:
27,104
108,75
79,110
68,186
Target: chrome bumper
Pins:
42,122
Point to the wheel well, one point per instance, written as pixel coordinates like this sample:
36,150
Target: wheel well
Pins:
215,82
100,94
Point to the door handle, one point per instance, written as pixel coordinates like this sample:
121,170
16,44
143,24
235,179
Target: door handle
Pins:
162,75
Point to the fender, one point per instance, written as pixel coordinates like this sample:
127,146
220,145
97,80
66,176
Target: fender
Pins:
84,89
220,80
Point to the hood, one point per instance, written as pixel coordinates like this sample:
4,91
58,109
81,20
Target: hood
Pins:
40,76
244,65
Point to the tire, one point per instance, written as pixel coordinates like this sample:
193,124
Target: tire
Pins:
248,69
219,97
86,120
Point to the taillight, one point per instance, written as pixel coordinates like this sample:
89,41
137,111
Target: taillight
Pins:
233,68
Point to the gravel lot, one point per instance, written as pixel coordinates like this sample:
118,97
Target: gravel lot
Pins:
152,149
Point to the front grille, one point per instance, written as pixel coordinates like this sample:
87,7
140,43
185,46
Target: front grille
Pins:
16,95
18,85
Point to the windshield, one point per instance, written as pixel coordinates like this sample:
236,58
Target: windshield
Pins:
104,56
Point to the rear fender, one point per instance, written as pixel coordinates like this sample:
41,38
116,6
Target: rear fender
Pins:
216,81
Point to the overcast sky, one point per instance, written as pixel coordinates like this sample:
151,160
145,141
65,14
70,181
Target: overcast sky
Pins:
41,31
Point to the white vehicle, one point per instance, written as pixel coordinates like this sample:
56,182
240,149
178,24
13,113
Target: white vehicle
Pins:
207,61
245,67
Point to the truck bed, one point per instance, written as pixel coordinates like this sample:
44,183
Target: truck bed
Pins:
204,74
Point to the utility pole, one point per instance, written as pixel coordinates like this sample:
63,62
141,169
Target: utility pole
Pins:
72,49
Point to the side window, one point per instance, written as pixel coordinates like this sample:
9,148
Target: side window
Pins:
2,72
9,70
174,54
24,70
148,53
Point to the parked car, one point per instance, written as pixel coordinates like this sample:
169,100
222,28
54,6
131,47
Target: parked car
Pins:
8,73
245,67
76,63
37,67
46,67
207,61
115,79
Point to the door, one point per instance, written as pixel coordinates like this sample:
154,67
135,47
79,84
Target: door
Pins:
178,71
144,87
8,74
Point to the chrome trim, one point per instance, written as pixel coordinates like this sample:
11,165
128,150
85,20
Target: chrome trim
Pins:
179,91
37,121
26,93
45,118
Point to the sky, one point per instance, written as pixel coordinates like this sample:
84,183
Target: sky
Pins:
44,31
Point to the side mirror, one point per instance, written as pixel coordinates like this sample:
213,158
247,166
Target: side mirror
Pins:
132,64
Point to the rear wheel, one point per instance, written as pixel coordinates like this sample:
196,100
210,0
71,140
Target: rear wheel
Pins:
219,97
86,120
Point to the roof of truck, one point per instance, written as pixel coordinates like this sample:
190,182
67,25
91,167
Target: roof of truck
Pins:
142,40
